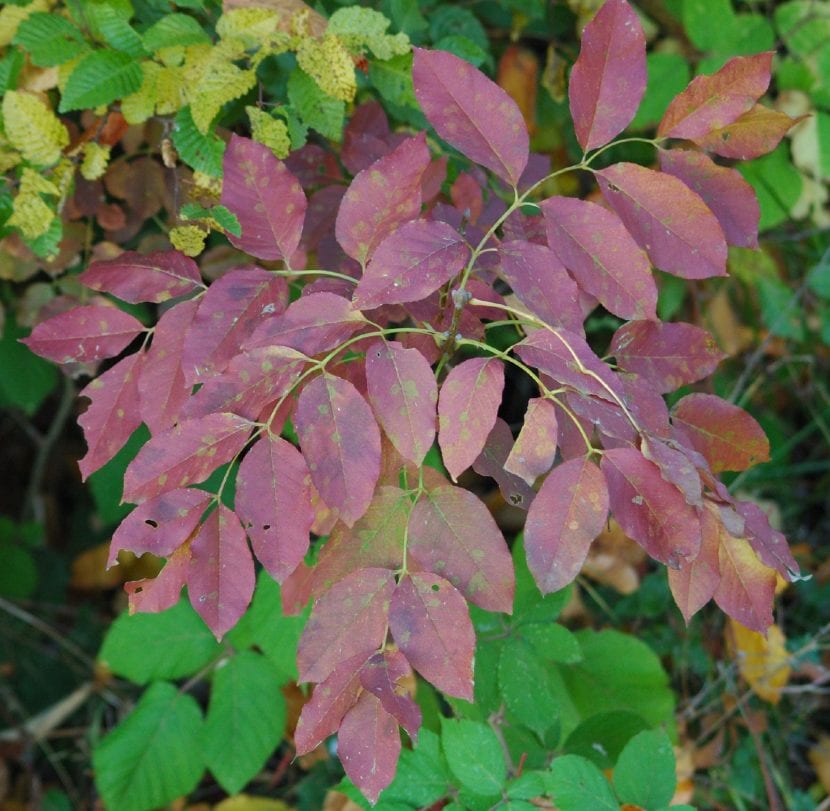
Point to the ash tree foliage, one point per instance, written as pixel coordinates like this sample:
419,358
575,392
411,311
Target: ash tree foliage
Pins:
327,412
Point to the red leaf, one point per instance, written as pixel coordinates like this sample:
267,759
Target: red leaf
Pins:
467,410
431,624
380,676
466,195
675,467
341,444
463,104
411,263
84,334
331,700
608,79
348,620
162,388
368,746
569,360
220,578
160,525
755,133
273,502
113,412
541,283
606,262
252,381
650,511
164,590
747,587
769,544
711,102
668,356
675,227
312,324
728,437
490,462
381,198
695,584
535,448
451,533
567,514
136,277
233,307
184,455
364,137
403,393
376,540
266,198
731,199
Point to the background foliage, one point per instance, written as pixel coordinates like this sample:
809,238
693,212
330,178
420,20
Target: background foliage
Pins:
115,121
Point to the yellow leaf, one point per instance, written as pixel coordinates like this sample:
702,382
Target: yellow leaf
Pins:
8,159
170,90
357,27
270,131
32,182
30,214
65,71
819,757
33,129
245,802
189,239
221,82
11,17
139,106
211,186
330,65
250,25
96,159
90,573
763,661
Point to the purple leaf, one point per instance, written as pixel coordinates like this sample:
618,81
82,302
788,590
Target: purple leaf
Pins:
380,676
341,444
608,79
136,277
452,534
671,222
348,620
467,408
164,590
431,624
84,334
273,501
490,462
603,257
464,105
541,283
535,449
266,198
403,393
569,511
381,198
411,263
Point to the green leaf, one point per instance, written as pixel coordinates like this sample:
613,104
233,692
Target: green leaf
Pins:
33,378
777,184
107,483
552,642
10,66
618,672
101,78
18,574
645,772
174,30
200,152
49,38
668,75
169,645
577,785
264,625
804,26
317,110
116,31
154,755
708,23
528,786
528,603
406,16
448,20
245,720
520,667
779,308
463,48
602,737
474,756
423,776
393,80
225,219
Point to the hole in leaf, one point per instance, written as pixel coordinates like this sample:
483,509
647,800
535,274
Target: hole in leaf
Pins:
266,527
516,498
151,523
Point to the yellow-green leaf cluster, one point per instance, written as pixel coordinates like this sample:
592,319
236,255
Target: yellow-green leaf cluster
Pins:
251,26
270,131
31,215
358,27
33,129
95,162
330,64
11,16
221,82
189,239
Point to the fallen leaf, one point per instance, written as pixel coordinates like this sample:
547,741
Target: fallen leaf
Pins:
763,661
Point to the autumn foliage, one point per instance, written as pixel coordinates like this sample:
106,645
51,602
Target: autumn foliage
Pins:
327,405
